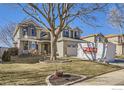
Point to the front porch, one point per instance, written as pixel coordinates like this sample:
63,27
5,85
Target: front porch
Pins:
34,47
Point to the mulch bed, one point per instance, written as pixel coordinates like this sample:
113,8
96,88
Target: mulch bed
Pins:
66,78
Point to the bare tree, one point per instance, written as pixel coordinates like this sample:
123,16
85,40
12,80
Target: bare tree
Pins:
116,19
57,17
6,34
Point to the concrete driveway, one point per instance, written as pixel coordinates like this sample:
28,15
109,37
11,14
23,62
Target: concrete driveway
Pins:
112,78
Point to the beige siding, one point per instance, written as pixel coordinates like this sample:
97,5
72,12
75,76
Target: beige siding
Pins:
90,39
118,46
113,40
119,49
39,47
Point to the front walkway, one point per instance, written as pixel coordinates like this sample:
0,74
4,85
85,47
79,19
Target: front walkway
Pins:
112,78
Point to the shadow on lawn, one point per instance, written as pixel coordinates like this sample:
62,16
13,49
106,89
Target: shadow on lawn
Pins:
25,60
118,61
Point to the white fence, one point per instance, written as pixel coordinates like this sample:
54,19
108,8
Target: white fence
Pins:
96,51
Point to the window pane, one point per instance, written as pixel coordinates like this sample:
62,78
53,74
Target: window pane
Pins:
25,45
66,33
33,32
25,30
42,34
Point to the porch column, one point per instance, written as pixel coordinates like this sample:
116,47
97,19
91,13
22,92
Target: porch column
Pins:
69,33
73,34
29,45
61,34
39,47
21,47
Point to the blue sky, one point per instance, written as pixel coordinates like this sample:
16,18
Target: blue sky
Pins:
11,13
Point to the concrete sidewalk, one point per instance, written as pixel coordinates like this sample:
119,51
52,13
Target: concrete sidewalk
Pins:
112,78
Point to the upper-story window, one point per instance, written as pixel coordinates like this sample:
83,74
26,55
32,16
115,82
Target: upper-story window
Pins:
42,34
32,29
66,33
76,34
25,31
71,34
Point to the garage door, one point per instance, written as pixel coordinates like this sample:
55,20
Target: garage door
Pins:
71,51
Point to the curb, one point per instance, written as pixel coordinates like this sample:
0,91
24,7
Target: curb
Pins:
69,83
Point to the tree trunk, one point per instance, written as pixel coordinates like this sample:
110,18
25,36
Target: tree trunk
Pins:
53,48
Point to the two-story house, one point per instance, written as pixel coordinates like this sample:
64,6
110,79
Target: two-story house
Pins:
29,37
119,41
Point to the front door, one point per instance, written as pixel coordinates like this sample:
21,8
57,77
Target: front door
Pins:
45,47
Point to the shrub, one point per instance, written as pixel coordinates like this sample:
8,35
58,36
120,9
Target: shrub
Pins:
6,56
13,51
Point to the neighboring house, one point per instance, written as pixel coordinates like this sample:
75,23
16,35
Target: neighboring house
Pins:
100,38
119,41
29,37
116,39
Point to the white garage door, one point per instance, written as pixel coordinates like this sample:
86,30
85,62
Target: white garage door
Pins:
72,51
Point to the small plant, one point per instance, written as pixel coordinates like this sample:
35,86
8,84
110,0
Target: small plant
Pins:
59,73
6,56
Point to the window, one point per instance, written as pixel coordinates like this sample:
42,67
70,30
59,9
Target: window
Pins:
33,45
42,34
74,46
71,34
76,34
32,30
66,33
25,45
25,31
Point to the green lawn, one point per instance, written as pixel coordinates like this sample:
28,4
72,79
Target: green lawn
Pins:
35,74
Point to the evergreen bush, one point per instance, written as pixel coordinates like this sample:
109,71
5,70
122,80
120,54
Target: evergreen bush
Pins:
6,56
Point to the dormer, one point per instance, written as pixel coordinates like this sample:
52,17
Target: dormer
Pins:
71,33
100,38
